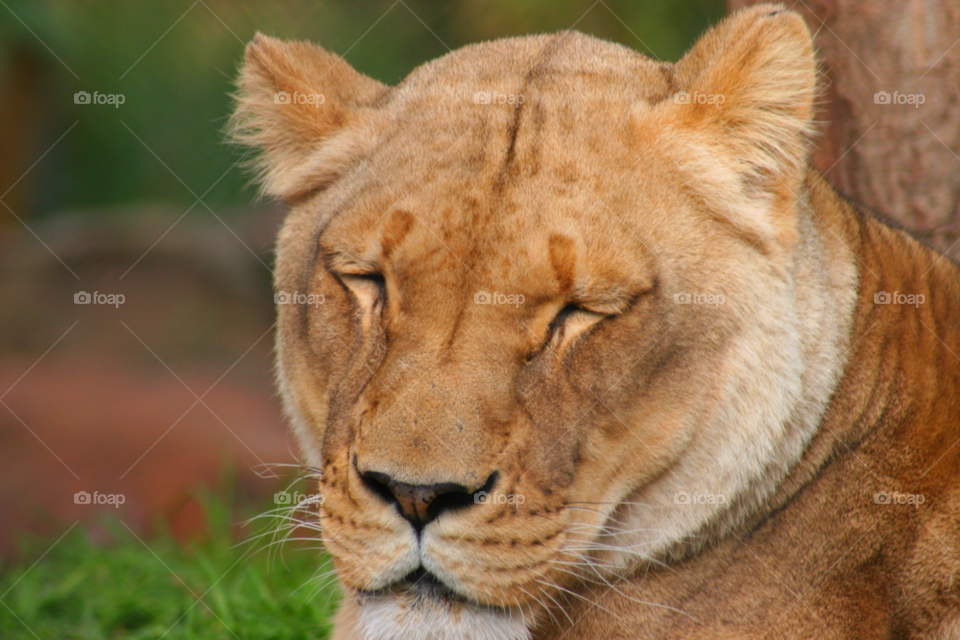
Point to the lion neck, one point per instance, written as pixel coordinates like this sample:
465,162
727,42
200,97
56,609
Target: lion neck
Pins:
900,363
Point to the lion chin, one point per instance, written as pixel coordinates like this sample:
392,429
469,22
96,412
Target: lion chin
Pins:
419,615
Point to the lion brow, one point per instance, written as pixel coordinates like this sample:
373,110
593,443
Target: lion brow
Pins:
344,260
613,298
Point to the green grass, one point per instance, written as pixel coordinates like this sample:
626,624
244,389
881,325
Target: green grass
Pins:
131,589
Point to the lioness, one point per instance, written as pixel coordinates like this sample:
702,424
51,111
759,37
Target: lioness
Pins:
585,349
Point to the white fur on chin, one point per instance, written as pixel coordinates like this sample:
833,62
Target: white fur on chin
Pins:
421,617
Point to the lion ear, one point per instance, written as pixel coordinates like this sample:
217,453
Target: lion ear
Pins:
751,83
301,107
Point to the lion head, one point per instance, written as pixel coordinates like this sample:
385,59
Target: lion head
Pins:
549,310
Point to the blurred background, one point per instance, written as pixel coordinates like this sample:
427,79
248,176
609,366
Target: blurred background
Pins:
136,310
115,180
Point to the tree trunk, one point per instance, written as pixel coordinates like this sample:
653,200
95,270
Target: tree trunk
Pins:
890,136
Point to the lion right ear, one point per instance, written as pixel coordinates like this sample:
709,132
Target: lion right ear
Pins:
741,120
752,80
301,107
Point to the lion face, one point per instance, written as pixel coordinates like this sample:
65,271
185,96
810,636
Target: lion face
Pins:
521,330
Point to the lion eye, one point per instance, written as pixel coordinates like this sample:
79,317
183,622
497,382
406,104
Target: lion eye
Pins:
562,316
570,322
573,320
368,288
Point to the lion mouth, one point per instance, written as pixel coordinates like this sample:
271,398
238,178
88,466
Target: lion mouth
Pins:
422,583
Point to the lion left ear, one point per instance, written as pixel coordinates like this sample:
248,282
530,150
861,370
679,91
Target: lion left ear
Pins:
302,107
753,78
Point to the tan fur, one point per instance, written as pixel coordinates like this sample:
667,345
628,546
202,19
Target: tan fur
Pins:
795,398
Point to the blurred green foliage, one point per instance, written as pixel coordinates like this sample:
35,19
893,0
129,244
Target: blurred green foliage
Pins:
174,61
140,588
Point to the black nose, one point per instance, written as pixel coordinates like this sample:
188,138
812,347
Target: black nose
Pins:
422,503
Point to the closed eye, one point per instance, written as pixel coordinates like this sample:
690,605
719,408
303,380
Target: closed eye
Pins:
376,278
574,319
557,323
571,321
369,288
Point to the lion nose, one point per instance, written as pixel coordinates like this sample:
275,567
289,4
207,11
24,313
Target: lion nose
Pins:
420,504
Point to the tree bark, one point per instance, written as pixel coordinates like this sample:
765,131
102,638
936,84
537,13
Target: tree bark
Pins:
890,112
